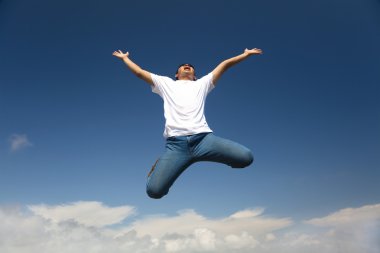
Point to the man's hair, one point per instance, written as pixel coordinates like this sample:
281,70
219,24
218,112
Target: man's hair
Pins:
183,64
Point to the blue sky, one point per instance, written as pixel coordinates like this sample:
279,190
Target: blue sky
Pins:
76,125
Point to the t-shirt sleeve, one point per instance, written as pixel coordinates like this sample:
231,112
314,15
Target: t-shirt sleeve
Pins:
208,81
159,82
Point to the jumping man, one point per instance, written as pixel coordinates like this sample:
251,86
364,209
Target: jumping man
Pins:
188,137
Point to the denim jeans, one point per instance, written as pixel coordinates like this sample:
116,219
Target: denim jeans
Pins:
182,151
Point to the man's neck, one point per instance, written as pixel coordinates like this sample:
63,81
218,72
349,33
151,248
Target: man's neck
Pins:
186,79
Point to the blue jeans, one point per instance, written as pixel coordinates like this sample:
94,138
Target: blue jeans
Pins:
182,151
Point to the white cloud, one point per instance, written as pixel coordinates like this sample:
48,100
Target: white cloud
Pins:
187,221
18,142
349,217
85,213
352,229
85,227
244,240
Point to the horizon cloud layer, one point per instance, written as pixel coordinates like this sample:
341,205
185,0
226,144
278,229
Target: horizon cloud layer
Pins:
89,227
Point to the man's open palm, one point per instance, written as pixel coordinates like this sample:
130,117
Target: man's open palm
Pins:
120,54
253,51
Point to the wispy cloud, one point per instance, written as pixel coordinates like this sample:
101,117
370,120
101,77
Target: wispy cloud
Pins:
85,227
349,217
84,213
18,142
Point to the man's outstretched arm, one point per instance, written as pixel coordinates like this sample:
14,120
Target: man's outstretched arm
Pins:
223,66
139,72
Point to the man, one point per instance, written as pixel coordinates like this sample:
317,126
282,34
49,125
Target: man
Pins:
188,136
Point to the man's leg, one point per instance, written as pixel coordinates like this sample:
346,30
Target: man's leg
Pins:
167,169
215,149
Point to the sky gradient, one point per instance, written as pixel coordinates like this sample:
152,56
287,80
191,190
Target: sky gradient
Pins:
78,130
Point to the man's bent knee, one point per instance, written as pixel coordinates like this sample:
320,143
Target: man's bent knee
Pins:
155,194
246,160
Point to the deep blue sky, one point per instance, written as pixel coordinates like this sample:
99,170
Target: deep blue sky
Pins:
308,108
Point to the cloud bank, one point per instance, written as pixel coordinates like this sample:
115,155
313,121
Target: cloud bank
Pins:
96,228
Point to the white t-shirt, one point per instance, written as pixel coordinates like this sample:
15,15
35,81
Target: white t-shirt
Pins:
184,103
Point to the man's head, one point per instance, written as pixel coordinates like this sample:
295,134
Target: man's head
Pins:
185,71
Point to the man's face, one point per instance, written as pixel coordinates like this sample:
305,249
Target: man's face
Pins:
185,71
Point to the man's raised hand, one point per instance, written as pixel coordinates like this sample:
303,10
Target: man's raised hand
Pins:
120,54
253,51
